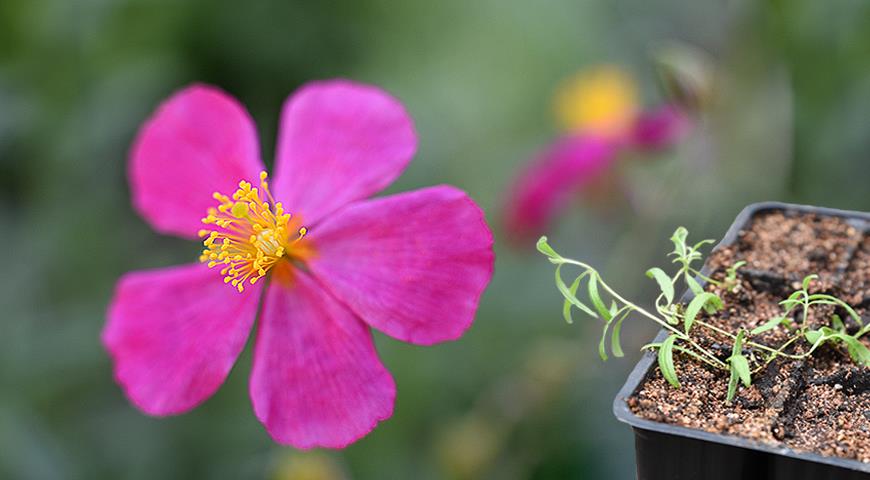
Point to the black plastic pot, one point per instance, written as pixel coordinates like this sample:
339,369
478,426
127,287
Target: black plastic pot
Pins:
671,452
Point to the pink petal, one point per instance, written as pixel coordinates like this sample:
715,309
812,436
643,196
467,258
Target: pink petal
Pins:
412,265
339,142
544,188
174,334
316,380
199,141
660,128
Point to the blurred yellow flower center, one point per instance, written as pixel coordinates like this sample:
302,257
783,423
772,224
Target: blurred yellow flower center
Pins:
251,233
601,101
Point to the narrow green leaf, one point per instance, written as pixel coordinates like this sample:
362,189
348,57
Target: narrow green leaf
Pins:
664,281
736,351
546,249
563,289
768,325
732,270
697,304
679,240
602,351
838,323
737,348
808,279
596,298
693,284
666,361
741,366
790,304
566,306
614,335
852,313
700,244
732,386
813,336
857,350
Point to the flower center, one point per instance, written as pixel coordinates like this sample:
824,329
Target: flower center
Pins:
250,234
601,100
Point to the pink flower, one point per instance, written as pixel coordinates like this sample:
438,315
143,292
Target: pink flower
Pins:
598,109
552,180
660,128
412,265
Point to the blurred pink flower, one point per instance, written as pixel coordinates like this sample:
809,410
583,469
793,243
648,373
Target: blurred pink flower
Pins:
660,128
550,182
598,109
412,265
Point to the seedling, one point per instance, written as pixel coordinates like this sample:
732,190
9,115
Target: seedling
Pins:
747,357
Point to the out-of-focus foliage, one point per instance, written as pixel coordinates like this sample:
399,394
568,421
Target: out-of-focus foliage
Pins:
787,120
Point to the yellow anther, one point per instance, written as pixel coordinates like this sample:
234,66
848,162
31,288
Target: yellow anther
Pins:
248,236
240,210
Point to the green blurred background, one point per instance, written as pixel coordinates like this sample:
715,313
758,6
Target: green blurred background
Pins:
522,395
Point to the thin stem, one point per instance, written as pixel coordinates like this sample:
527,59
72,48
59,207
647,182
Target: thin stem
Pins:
647,314
705,277
687,352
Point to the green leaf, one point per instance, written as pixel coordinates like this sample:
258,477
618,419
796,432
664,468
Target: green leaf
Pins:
737,348
546,249
768,325
596,298
664,281
700,244
859,353
679,240
614,335
693,284
741,366
666,361
566,306
790,304
697,304
732,270
838,323
794,296
563,289
852,313
602,352
813,336
808,279
732,386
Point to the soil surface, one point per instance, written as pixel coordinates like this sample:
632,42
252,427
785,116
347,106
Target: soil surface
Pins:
819,404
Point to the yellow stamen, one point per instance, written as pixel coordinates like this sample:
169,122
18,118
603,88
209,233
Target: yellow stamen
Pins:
250,234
